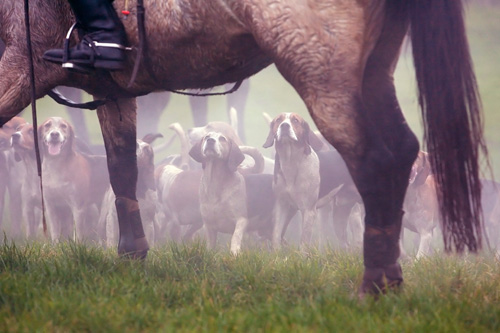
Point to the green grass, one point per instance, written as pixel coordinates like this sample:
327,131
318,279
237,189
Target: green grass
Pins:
71,287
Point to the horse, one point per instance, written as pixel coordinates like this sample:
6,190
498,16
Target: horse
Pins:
339,55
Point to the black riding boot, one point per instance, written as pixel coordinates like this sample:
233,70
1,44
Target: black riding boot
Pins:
103,42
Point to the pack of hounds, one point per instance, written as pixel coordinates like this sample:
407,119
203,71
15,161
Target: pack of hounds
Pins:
215,185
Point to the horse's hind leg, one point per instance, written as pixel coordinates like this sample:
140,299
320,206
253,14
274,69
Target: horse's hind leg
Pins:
385,193
118,125
323,59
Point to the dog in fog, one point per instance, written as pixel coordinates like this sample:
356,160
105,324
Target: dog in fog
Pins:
23,144
296,174
146,196
229,201
177,185
179,199
74,183
11,177
421,205
339,200
490,200
229,130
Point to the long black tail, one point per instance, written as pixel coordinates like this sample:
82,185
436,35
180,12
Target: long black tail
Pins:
450,103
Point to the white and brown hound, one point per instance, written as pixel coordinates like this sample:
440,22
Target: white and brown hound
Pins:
229,201
179,201
74,183
296,174
11,177
420,205
23,144
229,130
178,187
337,194
490,197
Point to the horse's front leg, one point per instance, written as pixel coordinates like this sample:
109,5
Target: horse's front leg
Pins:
118,125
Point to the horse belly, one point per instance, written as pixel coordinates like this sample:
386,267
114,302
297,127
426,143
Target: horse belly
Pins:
196,49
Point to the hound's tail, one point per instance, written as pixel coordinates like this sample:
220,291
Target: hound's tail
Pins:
256,155
450,103
177,128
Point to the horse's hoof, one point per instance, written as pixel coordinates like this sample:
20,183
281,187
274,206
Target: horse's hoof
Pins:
378,281
137,249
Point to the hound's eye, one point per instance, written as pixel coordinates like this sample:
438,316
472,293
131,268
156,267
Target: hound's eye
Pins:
63,126
47,125
222,139
295,120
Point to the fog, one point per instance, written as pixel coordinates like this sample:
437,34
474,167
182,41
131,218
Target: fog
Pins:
267,92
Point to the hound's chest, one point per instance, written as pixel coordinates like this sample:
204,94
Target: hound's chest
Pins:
57,188
297,185
221,213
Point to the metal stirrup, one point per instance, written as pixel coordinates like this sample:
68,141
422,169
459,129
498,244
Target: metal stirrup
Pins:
112,45
65,63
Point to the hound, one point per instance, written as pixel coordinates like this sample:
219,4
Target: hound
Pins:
229,201
420,205
490,196
338,198
23,144
296,174
178,195
178,186
229,130
11,177
74,183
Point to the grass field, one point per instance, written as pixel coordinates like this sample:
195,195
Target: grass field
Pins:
71,287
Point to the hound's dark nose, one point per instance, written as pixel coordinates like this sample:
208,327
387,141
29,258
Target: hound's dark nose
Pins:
54,135
285,127
211,141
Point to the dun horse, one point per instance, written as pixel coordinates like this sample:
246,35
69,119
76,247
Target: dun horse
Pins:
339,55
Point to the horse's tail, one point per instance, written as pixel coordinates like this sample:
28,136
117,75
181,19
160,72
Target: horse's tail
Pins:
450,103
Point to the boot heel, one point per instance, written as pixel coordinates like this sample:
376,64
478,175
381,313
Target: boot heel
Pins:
76,68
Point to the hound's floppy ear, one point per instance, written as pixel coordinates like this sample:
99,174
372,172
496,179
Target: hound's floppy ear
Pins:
270,137
17,157
71,135
235,157
195,152
315,142
40,139
305,138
